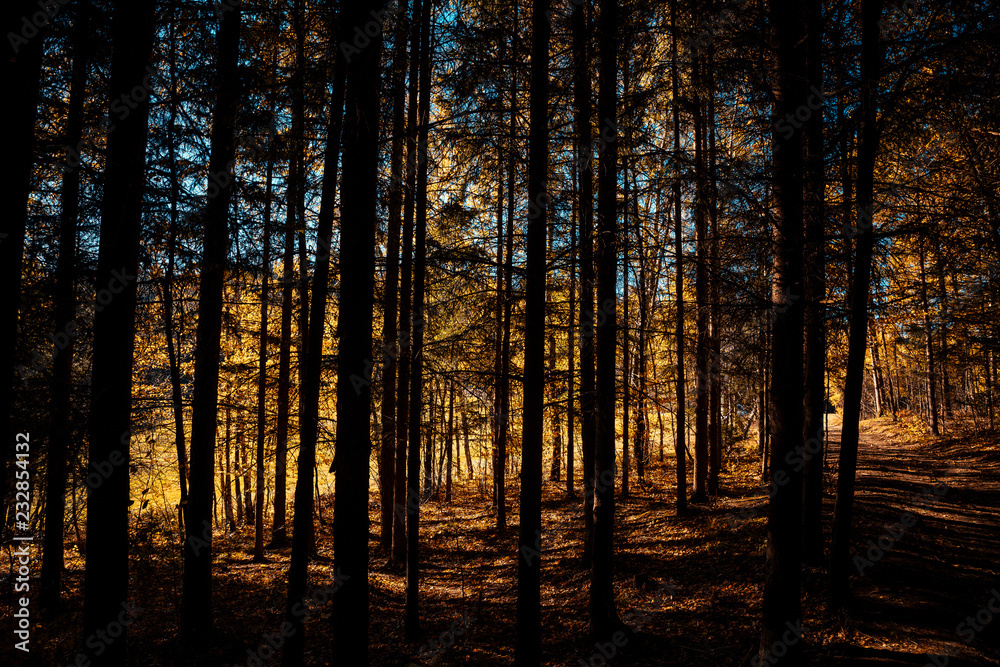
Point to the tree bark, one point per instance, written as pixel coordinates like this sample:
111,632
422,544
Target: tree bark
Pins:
680,437
814,400
603,614
584,156
527,650
412,610
197,619
357,270
21,71
65,309
871,59
783,567
390,304
932,392
404,413
353,371
265,288
105,586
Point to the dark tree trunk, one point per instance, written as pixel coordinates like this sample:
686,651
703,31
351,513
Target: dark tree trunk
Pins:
529,567
584,156
279,530
555,470
238,467
450,441
500,467
468,452
65,309
197,589
932,391
174,347
403,412
412,613
680,437
945,325
603,614
702,308
265,289
814,400
21,76
626,323
390,351
571,349
105,586
641,418
783,567
353,371
714,310
225,474
871,60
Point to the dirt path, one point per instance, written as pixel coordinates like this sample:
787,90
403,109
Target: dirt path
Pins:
914,593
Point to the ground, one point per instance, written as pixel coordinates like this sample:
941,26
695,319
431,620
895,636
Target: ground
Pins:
689,586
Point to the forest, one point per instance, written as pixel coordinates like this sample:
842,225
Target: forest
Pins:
500,332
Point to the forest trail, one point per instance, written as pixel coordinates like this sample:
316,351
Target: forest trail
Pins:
913,597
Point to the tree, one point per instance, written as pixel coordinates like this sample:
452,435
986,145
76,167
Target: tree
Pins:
529,567
62,370
680,437
584,152
197,590
390,344
871,62
357,270
106,575
412,618
350,436
814,398
22,72
406,326
603,614
782,569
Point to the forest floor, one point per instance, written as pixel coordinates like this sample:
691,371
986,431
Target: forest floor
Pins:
689,586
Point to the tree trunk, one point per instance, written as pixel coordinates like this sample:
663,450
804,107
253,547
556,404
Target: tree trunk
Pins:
641,418
353,372
702,308
584,156
238,466
390,305
814,399
603,614
412,611
65,309
932,393
357,268
555,470
105,586
468,452
714,310
227,476
571,348
404,413
21,72
680,437
265,286
626,322
500,467
945,324
528,645
783,567
197,589
858,327
450,440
